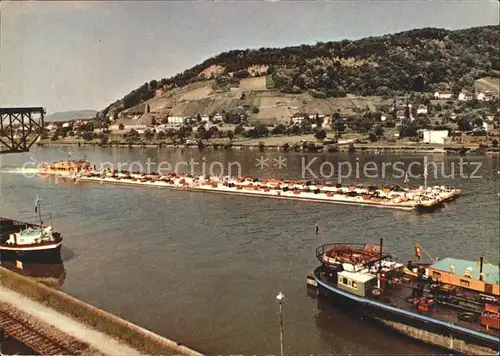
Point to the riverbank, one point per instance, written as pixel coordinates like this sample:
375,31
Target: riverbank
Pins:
284,145
65,315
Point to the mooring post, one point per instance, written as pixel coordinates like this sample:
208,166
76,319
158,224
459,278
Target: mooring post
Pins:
281,300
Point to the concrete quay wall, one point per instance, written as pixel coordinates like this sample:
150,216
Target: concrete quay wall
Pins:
130,334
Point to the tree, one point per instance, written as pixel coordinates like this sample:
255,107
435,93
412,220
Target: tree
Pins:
201,131
230,136
339,125
238,130
161,135
104,140
464,125
294,130
378,130
408,130
494,143
280,129
121,127
261,130
252,133
478,122
320,135
88,136
148,134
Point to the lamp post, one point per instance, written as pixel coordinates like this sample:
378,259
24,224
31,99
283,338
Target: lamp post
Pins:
281,300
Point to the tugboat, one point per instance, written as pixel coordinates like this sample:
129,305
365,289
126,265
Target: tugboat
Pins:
451,303
31,241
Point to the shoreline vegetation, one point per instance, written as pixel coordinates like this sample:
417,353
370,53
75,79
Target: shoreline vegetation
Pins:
285,146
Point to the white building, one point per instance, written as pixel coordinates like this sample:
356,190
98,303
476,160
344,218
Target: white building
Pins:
327,122
422,110
485,96
465,96
297,120
443,95
51,127
205,119
176,119
488,126
435,136
218,117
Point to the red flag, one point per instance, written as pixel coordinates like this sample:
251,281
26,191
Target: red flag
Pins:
417,251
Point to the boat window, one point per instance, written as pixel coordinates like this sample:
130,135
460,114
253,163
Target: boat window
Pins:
344,280
436,275
464,283
354,285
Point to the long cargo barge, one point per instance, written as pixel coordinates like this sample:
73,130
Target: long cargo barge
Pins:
452,303
422,199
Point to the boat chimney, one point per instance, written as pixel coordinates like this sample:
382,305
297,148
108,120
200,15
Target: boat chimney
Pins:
452,269
481,268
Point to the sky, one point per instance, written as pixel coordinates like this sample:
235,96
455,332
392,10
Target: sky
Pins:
76,55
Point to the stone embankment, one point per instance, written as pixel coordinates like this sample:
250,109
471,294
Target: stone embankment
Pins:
58,314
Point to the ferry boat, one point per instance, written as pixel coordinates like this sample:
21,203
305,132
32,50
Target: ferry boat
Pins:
29,240
451,303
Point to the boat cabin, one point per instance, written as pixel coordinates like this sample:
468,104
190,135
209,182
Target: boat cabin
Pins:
490,318
360,284
465,274
30,236
71,165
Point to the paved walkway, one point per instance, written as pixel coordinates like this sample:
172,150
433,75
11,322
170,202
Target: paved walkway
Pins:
96,339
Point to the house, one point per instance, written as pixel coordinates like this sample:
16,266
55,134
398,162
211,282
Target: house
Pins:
485,96
205,119
383,118
51,126
443,95
435,136
488,126
327,122
297,120
218,117
177,119
66,125
422,110
465,96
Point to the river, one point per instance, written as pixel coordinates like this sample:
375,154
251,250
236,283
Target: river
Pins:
204,269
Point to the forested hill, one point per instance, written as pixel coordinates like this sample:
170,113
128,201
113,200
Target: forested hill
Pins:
417,60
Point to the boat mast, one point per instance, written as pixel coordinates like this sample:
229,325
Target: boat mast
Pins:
37,208
425,176
380,263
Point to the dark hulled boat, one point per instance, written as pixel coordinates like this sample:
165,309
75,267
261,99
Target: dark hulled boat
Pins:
29,241
449,304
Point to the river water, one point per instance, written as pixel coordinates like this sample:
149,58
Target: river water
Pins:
204,269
